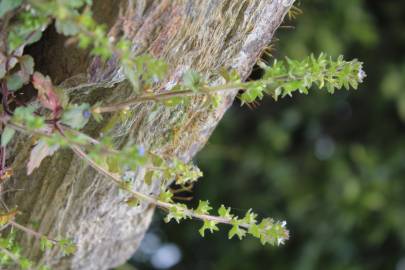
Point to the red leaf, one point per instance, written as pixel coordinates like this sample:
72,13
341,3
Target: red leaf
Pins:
46,93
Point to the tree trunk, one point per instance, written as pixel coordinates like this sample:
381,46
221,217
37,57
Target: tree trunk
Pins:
65,197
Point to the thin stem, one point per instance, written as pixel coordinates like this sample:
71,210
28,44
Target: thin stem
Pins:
166,96
31,232
148,199
207,90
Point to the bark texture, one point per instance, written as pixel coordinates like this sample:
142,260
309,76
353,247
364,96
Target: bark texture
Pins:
65,197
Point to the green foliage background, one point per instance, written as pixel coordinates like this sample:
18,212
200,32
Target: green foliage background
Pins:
332,166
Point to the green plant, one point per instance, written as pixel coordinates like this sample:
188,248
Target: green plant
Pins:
57,123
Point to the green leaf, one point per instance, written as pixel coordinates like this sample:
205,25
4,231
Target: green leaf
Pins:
250,217
7,5
177,212
192,80
14,82
67,246
229,76
132,201
225,212
236,230
203,208
208,225
45,244
77,116
7,135
166,196
25,263
113,164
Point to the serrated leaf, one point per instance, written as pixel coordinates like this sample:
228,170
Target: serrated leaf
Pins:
177,212
250,217
40,151
174,101
208,225
224,212
236,230
7,135
203,208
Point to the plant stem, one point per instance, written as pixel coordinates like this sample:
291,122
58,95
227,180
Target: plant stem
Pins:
148,199
168,95
31,232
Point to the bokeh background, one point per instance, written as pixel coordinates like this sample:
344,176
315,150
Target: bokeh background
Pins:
333,166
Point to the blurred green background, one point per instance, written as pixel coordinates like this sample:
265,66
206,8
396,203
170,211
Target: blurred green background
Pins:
332,166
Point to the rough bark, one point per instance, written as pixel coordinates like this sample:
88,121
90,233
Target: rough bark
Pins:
65,197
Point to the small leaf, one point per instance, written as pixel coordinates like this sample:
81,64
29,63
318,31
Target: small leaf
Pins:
203,208
40,151
67,246
113,164
166,196
250,217
45,244
225,212
149,177
7,135
25,263
14,82
77,116
236,230
208,225
192,80
132,201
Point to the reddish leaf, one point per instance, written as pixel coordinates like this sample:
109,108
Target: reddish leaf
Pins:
47,94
